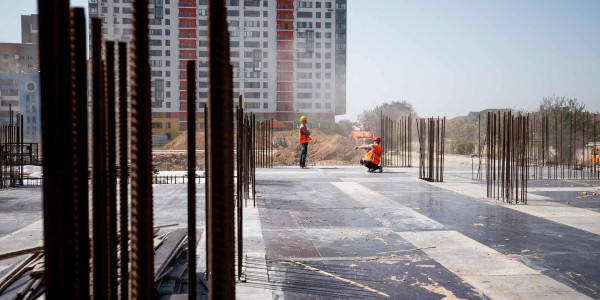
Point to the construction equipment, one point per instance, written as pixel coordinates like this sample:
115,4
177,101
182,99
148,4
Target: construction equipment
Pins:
362,137
280,142
595,156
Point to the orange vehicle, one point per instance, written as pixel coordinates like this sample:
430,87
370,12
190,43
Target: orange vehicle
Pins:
595,156
362,138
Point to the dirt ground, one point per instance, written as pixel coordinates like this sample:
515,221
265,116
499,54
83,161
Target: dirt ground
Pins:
323,150
180,142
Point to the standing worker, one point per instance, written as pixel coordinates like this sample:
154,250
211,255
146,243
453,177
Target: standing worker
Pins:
304,134
373,156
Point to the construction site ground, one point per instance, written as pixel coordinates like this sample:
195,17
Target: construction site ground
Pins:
338,232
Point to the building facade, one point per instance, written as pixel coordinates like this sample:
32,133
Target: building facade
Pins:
286,56
19,80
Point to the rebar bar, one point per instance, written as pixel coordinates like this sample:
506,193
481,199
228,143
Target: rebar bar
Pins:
142,268
191,166
220,188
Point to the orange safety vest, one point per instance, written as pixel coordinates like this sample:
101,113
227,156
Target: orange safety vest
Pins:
374,155
303,137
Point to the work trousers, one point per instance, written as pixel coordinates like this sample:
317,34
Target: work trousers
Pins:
303,155
370,165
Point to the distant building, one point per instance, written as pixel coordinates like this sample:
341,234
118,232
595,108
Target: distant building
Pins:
288,57
19,79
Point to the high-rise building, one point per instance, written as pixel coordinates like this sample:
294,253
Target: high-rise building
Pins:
288,57
19,80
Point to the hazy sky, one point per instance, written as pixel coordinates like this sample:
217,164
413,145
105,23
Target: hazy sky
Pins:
452,57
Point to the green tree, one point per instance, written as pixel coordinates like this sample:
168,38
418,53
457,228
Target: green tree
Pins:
462,135
570,115
370,118
344,127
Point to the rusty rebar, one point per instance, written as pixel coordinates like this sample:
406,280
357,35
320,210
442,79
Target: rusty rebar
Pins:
191,165
99,171
142,268
220,189
58,194
124,171
113,270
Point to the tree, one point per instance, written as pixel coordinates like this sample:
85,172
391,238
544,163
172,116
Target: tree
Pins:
344,127
463,136
370,118
565,113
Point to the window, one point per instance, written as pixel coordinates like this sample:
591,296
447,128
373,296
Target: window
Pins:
251,13
253,95
251,33
305,4
251,105
251,23
304,105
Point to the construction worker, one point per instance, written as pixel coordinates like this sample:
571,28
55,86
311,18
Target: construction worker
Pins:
304,136
373,156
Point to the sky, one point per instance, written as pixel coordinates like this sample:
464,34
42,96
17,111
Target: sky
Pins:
449,58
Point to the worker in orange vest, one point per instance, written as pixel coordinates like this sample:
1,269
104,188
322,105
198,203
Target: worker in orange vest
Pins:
304,136
373,156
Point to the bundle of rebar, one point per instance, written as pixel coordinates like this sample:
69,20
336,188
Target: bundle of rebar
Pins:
263,143
13,150
432,136
64,90
559,145
396,139
507,144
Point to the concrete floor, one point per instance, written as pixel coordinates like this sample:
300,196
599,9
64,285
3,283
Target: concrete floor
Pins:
342,233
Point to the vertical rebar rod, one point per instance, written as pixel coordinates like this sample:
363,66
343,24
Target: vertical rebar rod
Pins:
80,158
207,215
99,195
124,171
142,268
220,190
239,172
191,166
112,171
56,99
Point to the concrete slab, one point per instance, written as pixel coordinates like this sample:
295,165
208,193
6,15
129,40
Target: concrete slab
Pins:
493,273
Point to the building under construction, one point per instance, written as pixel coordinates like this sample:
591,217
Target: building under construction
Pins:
101,223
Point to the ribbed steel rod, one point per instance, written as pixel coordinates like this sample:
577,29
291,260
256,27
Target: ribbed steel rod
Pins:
112,170
220,188
58,191
99,178
80,158
142,268
124,171
191,166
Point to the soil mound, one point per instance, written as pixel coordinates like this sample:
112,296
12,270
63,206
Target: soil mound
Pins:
181,142
322,150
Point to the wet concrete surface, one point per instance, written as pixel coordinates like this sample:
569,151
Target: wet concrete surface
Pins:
307,221
318,237
19,207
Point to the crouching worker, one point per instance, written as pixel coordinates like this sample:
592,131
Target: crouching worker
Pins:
373,156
